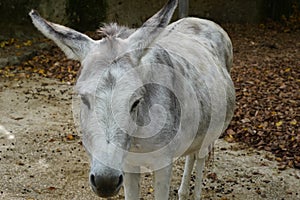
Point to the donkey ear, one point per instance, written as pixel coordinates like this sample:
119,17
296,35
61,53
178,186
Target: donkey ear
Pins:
145,35
75,45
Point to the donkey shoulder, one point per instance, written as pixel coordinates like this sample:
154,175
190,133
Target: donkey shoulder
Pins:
207,33
197,26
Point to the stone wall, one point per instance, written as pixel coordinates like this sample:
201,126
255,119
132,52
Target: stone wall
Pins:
86,15
236,11
79,14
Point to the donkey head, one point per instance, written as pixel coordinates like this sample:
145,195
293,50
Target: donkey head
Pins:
103,62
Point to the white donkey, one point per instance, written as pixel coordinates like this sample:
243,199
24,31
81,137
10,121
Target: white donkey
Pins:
149,96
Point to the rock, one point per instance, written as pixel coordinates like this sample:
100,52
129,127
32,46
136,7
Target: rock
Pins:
3,62
16,117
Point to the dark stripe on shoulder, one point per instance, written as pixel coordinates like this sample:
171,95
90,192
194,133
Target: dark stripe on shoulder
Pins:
162,56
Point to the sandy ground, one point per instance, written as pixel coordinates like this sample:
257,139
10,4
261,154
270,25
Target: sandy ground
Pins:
42,156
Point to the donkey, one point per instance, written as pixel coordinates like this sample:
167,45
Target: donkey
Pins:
148,96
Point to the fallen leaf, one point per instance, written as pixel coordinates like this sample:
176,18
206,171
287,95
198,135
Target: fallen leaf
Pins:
70,137
279,123
293,122
151,190
51,188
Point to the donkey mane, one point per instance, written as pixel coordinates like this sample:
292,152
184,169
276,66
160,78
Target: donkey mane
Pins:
115,30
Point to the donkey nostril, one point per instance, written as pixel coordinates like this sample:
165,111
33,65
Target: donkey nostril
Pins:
93,180
120,180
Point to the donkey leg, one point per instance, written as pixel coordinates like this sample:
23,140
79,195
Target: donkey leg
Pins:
183,191
162,179
132,186
199,175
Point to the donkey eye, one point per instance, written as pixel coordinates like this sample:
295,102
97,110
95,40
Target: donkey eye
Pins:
85,101
135,104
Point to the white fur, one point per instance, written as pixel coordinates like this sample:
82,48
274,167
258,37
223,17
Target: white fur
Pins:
198,49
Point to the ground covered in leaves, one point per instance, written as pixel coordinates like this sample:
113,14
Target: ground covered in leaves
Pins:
266,74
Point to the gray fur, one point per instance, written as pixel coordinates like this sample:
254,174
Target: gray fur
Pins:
195,50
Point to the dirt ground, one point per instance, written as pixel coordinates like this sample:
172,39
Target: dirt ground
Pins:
46,160
41,155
